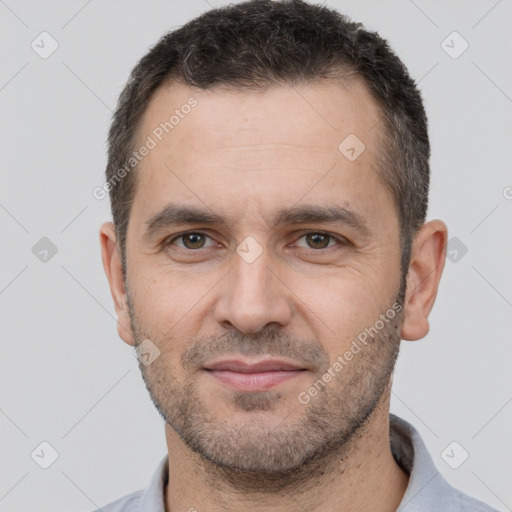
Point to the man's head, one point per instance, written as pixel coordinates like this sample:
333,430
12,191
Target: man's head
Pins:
254,45
269,225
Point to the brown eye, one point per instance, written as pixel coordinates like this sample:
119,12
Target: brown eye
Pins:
193,240
318,240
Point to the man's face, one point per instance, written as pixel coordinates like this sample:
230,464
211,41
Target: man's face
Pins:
250,309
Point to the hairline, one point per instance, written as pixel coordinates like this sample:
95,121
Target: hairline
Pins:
343,75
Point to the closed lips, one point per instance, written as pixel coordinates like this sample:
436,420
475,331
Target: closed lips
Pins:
264,366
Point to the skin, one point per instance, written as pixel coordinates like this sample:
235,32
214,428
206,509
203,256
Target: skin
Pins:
243,155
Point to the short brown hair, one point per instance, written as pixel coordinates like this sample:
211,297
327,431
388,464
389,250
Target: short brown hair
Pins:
258,43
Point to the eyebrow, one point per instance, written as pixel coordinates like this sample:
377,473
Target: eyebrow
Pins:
175,214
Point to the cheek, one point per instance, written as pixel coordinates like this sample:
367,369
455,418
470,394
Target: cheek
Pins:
344,307
156,287
154,303
161,316
167,303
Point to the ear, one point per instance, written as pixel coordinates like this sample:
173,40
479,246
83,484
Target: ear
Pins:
110,255
425,269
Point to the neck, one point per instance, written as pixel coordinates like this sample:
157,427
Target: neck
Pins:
363,477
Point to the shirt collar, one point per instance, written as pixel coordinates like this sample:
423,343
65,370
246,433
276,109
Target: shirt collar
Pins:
425,489
153,497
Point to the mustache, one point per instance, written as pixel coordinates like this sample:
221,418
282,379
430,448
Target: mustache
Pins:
307,353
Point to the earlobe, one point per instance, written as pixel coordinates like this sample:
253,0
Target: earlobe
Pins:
425,270
113,269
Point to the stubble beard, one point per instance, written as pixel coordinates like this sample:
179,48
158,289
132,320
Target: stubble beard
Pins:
283,455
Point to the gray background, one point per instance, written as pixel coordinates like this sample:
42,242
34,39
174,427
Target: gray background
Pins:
65,376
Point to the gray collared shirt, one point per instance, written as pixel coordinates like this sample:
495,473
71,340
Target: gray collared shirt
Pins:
427,491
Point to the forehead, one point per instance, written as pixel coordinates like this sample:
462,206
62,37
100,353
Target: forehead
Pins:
297,114
220,145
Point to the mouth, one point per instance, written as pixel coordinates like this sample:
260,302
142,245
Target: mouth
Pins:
254,376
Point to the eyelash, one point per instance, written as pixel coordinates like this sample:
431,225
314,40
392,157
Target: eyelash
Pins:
340,240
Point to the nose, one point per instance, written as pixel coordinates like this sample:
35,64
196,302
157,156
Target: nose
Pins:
252,296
